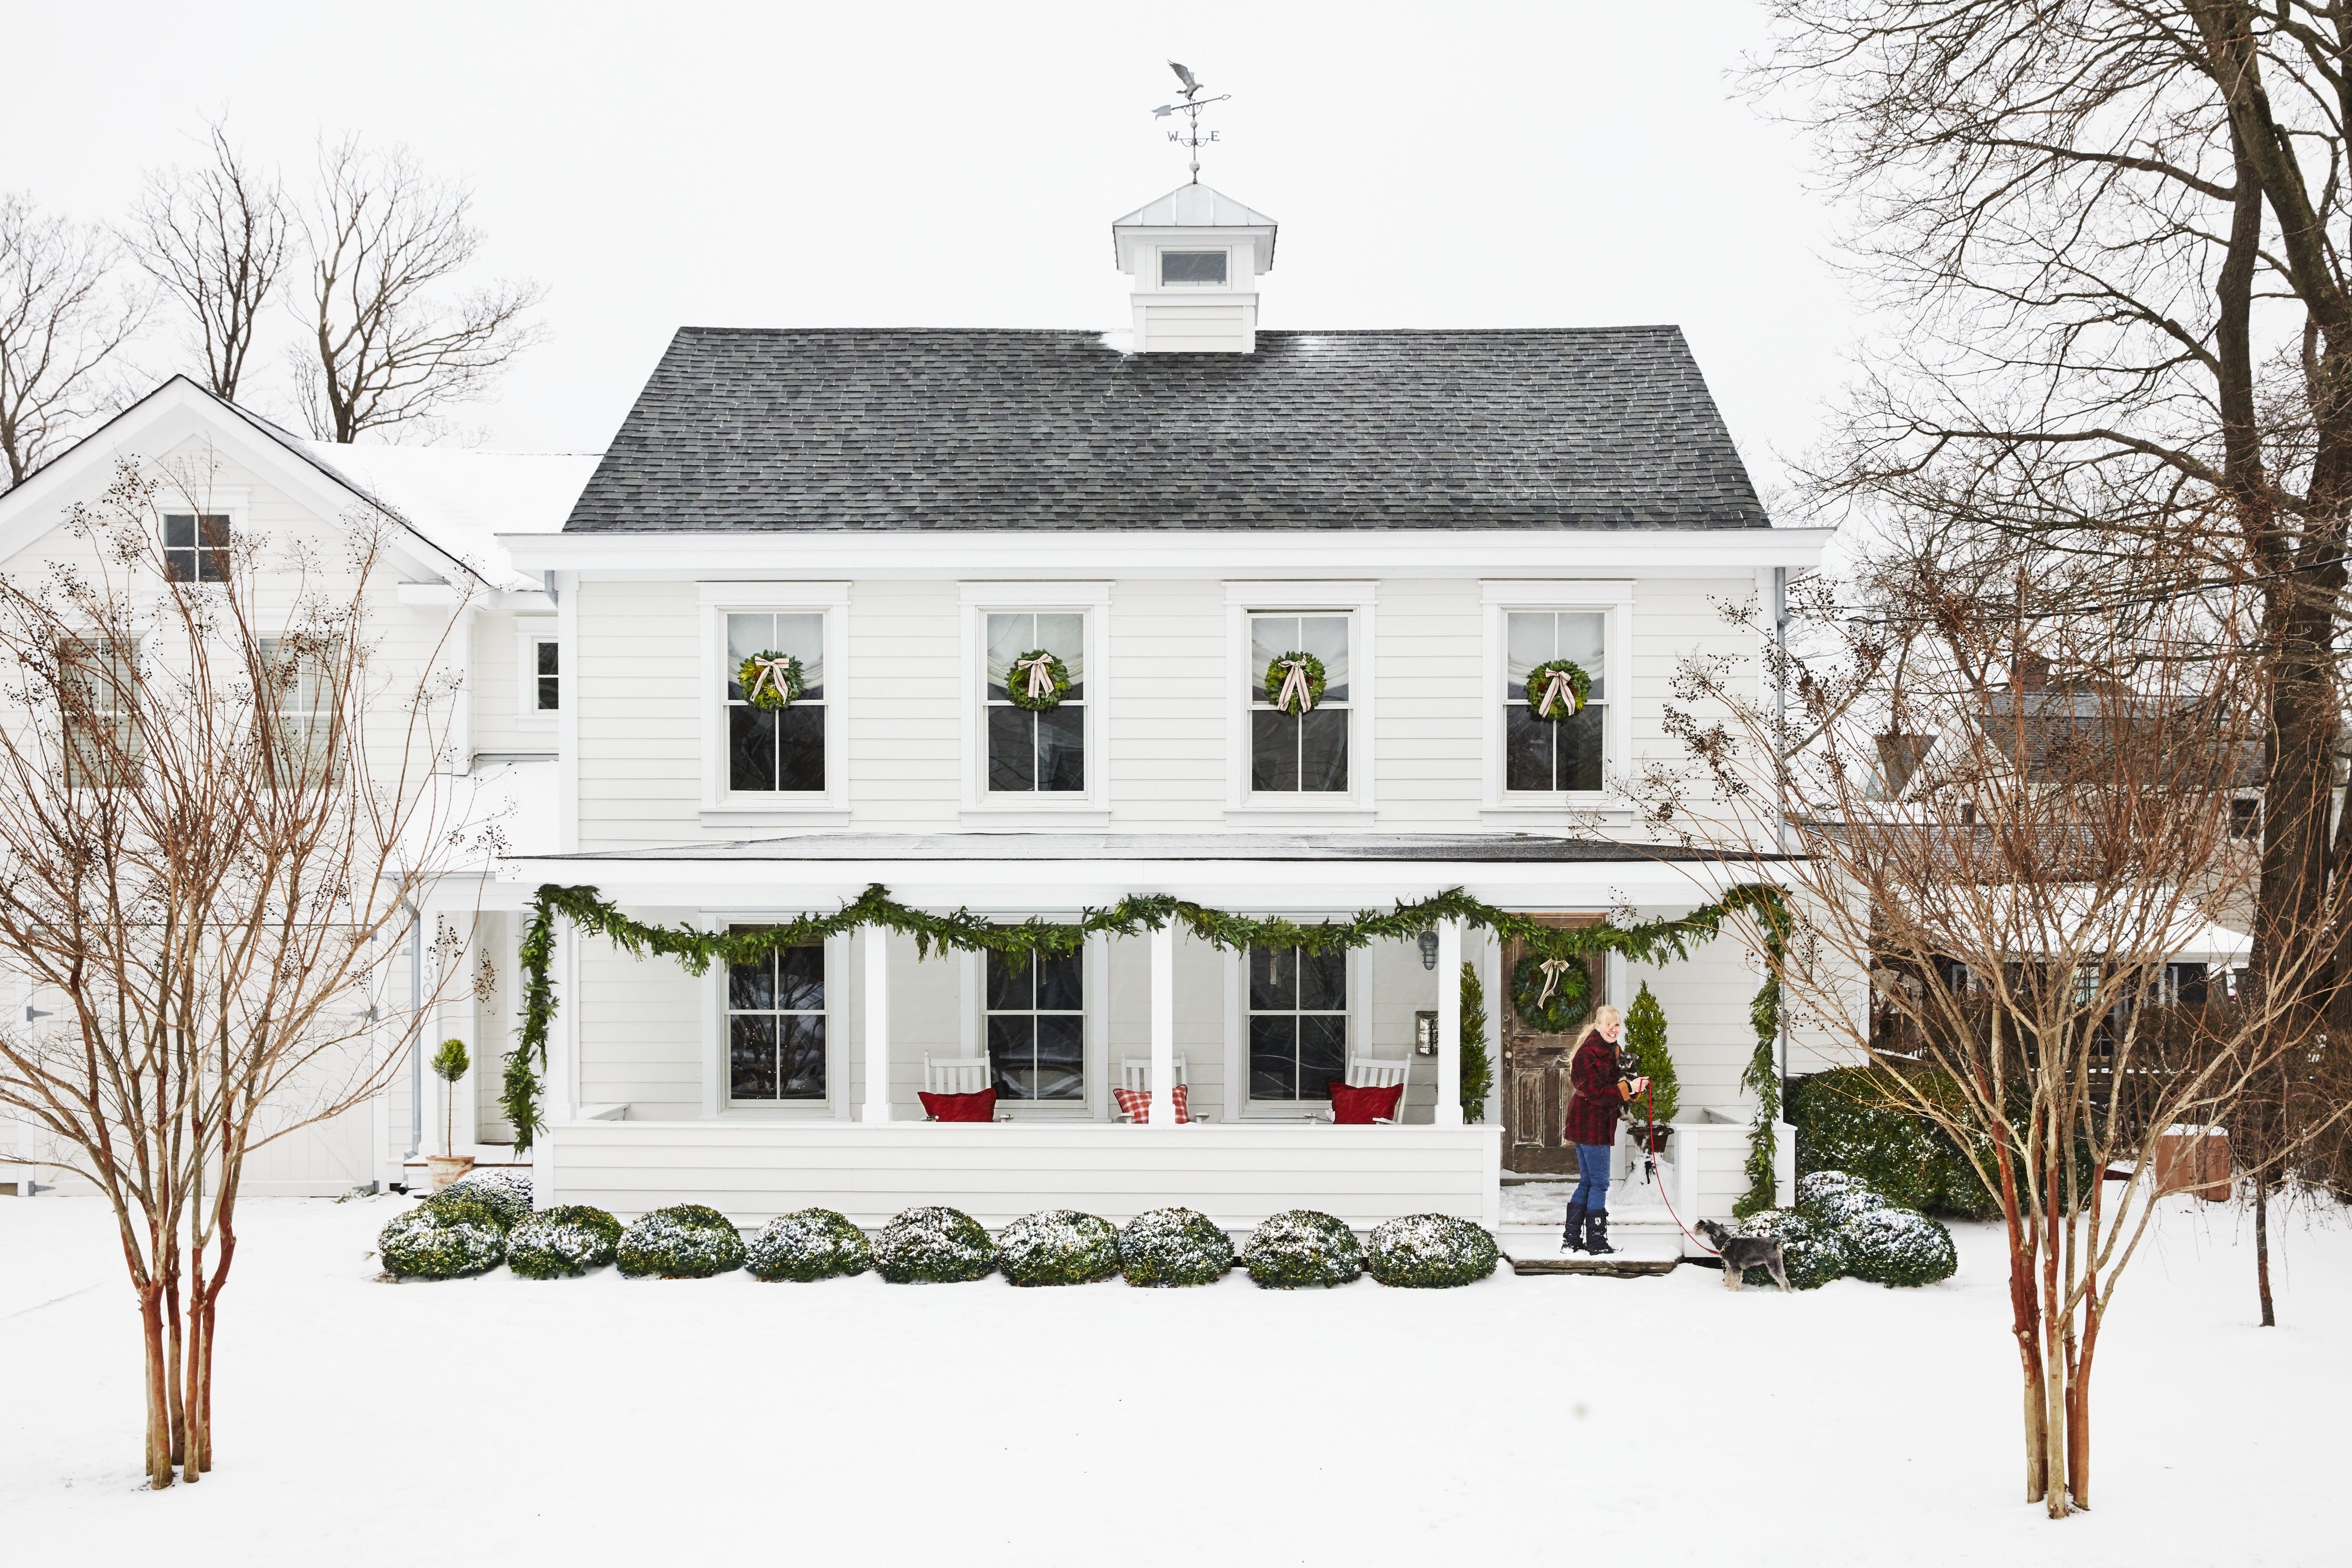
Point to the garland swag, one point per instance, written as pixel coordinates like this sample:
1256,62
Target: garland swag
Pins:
964,932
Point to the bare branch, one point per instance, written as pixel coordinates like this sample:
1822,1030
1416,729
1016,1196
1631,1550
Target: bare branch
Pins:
215,238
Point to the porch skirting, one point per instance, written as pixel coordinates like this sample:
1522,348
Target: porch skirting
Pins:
1237,1174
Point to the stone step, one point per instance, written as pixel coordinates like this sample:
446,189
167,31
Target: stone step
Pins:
1642,1249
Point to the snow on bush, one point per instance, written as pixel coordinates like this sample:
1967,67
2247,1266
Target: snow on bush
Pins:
508,1192
1431,1251
686,1242
1301,1246
933,1247
1058,1246
441,1243
811,1244
459,1207
1174,1246
1833,1198
1813,1253
1898,1246
563,1241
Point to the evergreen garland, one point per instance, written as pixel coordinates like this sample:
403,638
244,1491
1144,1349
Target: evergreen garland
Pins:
1763,1080
696,950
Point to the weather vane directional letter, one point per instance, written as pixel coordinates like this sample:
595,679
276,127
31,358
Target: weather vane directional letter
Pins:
1191,107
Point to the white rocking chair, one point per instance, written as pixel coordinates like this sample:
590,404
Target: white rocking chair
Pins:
1379,1072
1135,1073
958,1075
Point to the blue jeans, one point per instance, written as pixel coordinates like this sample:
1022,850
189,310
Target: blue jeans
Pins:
1591,1177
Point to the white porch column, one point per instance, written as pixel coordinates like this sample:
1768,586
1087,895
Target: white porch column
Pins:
1449,1023
878,1023
1164,1026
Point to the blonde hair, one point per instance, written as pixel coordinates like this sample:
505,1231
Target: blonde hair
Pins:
1604,1017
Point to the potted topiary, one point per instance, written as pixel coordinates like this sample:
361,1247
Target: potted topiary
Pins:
449,1065
1647,1118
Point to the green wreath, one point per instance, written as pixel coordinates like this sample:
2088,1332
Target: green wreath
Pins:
1278,672
1016,682
1570,1000
783,686
1580,687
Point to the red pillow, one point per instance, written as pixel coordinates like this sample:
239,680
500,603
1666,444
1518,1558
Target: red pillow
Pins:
978,1105
1135,1104
1353,1107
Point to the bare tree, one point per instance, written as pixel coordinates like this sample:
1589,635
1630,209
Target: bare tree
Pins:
62,319
215,827
2011,781
215,238
393,343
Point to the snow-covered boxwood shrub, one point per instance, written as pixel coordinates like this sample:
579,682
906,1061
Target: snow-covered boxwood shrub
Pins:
1174,1246
1898,1246
1431,1251
1832,1198
1859,1121
1810,1252
569,1239
457,1206
1301,1246
933,1247
1058,1246
508,1192
430,1243
811,1244
689,1241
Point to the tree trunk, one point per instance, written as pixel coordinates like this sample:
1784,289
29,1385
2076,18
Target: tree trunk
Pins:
2263,1247
159,1396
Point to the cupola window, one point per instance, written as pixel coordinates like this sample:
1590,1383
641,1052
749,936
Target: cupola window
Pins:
1200,268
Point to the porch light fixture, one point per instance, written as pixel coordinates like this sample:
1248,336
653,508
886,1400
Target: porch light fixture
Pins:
1428,949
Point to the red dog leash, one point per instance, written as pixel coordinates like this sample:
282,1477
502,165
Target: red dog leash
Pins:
1650,1122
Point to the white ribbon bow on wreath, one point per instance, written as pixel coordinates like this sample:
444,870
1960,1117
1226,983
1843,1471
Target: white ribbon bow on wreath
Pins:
1039,672
773,673
1294,680
1553,968
1557,689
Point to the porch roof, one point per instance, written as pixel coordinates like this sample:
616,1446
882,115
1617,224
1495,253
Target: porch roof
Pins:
1486,849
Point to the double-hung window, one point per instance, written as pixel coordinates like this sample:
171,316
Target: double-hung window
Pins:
1297,1022
776,749
1037,744
1037,1026
775,1026
298,708
97,680
1298,736
1550,754
546,676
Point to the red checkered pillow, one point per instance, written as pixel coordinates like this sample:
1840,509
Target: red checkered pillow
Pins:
1135,1104
1353,1107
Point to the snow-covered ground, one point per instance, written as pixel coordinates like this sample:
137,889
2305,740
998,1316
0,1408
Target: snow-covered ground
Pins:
1539,1420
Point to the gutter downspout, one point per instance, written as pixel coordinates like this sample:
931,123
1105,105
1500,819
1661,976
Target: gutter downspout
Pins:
415,1008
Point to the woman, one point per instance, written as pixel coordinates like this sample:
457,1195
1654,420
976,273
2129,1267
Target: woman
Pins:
1601,1090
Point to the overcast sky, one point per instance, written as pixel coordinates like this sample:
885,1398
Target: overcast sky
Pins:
1567,163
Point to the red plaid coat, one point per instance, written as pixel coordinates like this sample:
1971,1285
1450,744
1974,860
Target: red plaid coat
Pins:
1592,1114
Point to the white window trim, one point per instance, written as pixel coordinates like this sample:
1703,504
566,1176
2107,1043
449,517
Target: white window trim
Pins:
724,807
1242,806
529,635
716,1105
983,806
973,1032
1241,1104
1558,808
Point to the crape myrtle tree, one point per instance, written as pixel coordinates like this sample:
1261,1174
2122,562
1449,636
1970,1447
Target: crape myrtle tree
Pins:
2116,233
219,812
2010,775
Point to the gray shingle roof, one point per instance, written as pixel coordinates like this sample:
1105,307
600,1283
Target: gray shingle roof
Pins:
775,430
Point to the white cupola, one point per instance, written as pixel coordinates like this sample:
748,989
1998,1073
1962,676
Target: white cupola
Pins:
1195,256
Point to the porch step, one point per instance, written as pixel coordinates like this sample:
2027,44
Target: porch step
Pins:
1644,1248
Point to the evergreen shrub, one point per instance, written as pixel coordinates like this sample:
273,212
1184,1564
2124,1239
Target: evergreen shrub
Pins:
1835,1197
559,1242
1898,1247
1813,1253
1058,1246
445,1243
1854,1119
1174,1246
1646,1041
507,1191
933,1247
1301,1246
688,1241
1431,1251
808,1244
457,1205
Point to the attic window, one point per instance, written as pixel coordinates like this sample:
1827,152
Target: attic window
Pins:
195,547
1197,268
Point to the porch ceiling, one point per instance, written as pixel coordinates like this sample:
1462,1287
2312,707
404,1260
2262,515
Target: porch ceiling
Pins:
1413,847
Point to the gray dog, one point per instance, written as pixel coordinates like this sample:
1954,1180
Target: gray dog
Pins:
1742,1253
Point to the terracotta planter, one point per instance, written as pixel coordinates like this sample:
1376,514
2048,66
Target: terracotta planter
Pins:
447,1168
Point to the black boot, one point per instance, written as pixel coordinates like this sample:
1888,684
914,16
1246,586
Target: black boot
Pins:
1596,1232
1572,1236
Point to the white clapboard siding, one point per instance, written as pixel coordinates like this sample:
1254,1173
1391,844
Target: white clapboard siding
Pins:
1238,1176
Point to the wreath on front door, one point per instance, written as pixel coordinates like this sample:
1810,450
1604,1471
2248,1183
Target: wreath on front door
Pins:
1293,681
1557,689
771,681
1037,681
1551,994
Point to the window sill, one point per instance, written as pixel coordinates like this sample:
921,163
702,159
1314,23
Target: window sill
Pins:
818,815
1041,815
1340,813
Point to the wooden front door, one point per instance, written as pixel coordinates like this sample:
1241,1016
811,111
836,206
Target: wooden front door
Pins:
1535,1070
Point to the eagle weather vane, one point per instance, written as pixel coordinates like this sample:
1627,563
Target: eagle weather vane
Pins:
1190,107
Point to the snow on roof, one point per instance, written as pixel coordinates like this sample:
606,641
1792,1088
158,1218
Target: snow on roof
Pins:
461,500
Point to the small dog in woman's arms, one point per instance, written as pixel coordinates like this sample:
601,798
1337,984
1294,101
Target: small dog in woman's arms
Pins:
1742,1253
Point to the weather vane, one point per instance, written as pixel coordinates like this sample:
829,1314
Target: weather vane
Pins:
1191,109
